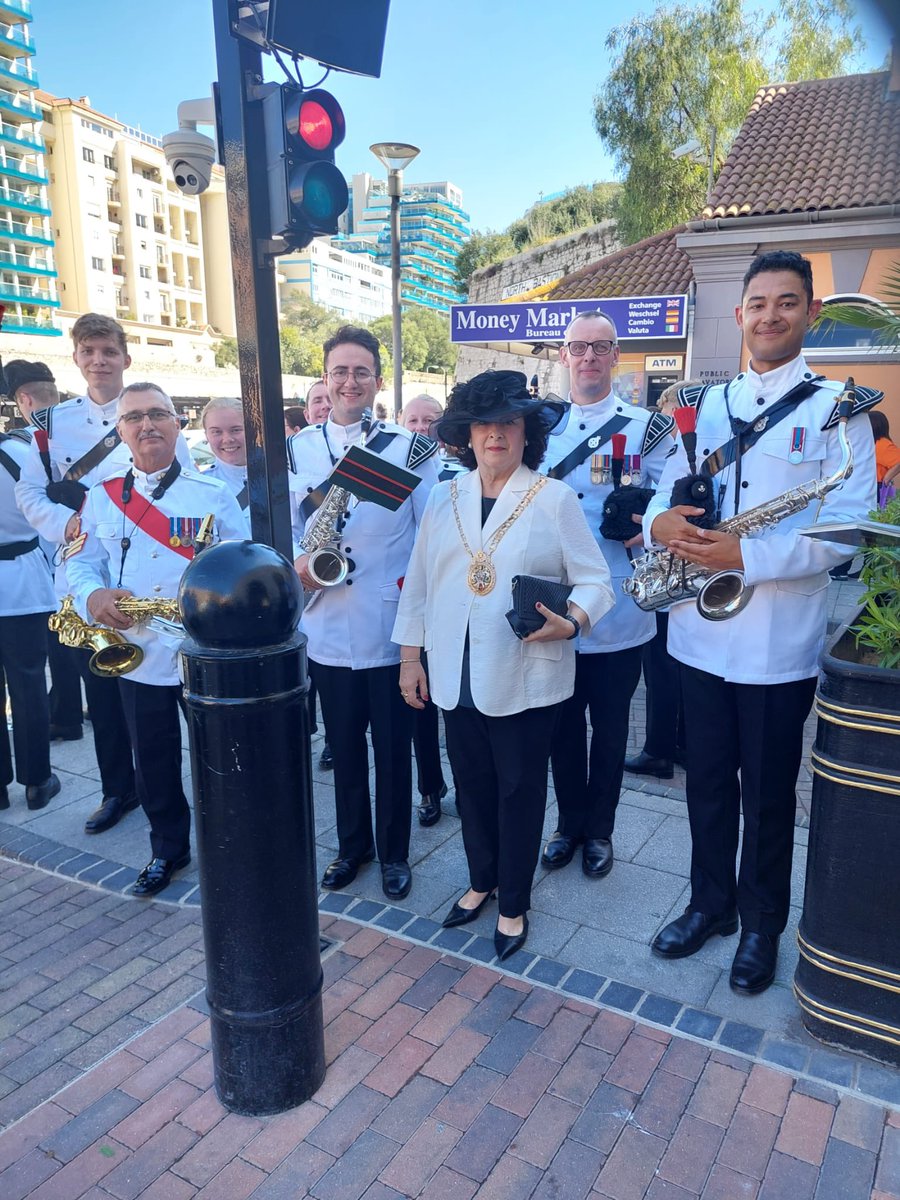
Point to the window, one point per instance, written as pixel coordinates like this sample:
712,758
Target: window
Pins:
87,154
140,220
145,273
97,264
841,337
109,162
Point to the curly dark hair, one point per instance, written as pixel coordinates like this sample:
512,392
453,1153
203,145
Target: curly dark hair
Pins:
781,260
536,435
359,337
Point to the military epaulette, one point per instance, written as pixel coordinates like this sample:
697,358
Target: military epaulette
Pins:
658,427
43,418
866,398
693,395
21,435
420,449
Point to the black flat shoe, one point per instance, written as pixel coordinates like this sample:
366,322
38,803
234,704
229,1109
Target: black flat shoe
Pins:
462,916
430,807
396,880
559,851
39,795
506,944
597,857
686,934
158,875
326,762
110,813
646,764
66,733
343,871
753,968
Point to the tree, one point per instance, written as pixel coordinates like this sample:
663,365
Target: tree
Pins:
415,344
226,352
480,250
688,74
434,329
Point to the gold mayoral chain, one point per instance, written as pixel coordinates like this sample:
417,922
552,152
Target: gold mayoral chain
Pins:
482,574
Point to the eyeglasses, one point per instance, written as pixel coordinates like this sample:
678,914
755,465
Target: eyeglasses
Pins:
158,416
601,348
360,374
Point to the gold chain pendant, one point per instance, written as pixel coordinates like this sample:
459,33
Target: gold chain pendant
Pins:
481,576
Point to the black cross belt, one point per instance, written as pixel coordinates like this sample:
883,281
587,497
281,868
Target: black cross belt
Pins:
95,455
16,549
748,433
589,446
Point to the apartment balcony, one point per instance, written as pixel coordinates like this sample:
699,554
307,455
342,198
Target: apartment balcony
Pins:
113,200
12,10
15,40
12,293
23,323
19,135
20,106
11,170
18,73
12,198
113,223
19,231
10,261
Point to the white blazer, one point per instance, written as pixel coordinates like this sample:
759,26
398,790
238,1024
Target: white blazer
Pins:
550,539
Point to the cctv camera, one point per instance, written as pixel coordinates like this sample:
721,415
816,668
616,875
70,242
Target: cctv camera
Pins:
190,156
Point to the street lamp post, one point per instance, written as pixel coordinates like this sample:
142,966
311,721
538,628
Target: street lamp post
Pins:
395,156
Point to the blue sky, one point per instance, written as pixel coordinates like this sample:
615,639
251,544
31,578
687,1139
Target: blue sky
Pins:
496,93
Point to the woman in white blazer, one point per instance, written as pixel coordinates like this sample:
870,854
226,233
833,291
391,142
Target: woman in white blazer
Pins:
499,693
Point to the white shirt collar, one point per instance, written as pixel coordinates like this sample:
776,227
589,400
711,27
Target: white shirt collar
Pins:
780,380
598,407
343,435
102,412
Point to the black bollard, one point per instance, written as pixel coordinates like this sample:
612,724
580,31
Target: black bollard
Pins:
246,692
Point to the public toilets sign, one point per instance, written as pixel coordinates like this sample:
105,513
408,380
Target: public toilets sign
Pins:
635,317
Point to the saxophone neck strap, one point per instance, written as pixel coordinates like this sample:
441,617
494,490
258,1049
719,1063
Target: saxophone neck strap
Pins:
590,445
747,433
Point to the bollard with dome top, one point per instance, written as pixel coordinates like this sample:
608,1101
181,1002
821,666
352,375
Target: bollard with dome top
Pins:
246,687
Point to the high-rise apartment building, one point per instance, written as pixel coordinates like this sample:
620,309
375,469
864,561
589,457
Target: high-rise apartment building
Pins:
128,242
27,270
353,285
433,227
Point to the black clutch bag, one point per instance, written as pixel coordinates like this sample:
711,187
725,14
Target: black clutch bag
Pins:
617,525
527,591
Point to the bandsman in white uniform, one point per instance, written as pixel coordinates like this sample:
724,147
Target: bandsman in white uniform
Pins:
748,681
608,662
27,597
353,662
223,424
136,540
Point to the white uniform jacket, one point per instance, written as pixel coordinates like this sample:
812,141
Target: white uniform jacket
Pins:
350,624
778,637
26,585
647,434
550,539
74,427
235,479
152,569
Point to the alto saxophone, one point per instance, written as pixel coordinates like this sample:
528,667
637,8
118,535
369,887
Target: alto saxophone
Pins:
659,579
327,564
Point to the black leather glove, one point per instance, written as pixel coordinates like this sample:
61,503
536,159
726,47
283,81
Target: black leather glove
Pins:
68,492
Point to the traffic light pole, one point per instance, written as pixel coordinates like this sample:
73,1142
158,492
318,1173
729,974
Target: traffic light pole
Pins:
243,142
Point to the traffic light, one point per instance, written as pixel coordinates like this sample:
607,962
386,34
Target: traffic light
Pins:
307,192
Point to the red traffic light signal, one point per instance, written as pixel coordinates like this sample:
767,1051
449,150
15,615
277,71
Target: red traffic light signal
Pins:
307,192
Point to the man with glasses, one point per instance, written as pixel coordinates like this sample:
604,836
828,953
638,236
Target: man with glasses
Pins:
353,662
138,529
608,662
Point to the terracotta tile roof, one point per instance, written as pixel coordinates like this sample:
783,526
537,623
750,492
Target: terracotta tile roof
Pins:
653,267
820,144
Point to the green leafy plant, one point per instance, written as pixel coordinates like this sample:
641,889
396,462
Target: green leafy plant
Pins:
882,318
879,623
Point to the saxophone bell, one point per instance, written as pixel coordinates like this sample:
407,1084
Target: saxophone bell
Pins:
724,595
328,566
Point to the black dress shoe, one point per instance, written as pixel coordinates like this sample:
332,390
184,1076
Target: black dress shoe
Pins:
396,880
66,733
559,851
343,871
597,857
462,916
39,795
646,764
687,933
506,944
4,796
326,762
753,968
430,807
110,813
158,875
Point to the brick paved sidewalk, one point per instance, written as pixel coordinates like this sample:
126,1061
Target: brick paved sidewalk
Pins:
446,1080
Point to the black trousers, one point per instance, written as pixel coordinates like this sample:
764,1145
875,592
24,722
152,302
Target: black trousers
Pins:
587,787
151,714
23,657
500,764
427,747
664,735
65,683
352,702
112,743
756,730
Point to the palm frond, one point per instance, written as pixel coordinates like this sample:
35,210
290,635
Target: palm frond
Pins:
881,319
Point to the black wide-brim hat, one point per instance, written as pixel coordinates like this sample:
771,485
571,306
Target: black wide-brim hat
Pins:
493,396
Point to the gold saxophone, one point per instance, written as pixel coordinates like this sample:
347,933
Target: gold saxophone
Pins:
660,579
